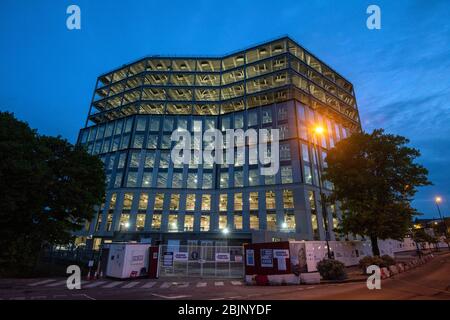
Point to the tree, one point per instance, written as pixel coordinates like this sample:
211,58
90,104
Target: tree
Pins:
48,189
375,178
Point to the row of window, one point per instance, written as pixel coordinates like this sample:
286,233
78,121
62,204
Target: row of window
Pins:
172,201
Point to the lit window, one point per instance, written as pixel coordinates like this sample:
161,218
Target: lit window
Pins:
206,202
190,202
253,199
174,201
156,222
254,222
140,222
188,222
222,221
288,199
270,200
238,222
173,223
238,201
204,223
127,201
223,201
143,201
271,221
159,201
124,222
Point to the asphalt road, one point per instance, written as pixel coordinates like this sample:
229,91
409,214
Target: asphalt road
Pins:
430,281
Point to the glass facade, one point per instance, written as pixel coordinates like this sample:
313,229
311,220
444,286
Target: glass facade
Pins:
277,85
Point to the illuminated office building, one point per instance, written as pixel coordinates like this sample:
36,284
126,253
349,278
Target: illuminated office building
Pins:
277,84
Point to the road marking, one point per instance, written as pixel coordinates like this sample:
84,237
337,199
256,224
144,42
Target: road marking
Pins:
235,297
112,284
56,296
218,283
169,297
17,298
217,299
41,282
83,295
59,283
166,285
95,284
236,283
201,284
310,288
38,297
130,285
183,285
149,285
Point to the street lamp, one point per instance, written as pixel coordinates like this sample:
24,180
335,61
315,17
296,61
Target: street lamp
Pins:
319,131
438,200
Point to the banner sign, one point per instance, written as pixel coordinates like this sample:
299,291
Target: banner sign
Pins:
167,259
222,257
266,258
180,256
250,257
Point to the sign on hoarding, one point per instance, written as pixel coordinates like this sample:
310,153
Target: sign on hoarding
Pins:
250,257
267,258
167,259
222,257
180,256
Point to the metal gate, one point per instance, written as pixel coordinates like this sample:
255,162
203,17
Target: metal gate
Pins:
201,261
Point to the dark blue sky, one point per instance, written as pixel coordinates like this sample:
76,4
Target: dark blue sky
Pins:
401,73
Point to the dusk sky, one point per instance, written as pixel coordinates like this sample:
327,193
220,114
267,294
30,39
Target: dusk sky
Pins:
401,73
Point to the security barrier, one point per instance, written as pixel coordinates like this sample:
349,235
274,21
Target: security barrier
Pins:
201,261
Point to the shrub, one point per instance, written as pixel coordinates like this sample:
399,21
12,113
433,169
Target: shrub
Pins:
371,260
388,260
331,269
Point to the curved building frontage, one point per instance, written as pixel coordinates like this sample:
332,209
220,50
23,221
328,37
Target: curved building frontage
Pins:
275,85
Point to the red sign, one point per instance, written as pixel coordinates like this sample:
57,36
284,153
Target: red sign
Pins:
267,258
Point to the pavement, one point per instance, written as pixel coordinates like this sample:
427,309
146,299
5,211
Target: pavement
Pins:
429,281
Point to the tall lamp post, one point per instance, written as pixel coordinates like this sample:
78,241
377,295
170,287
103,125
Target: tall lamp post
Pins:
438,200
319,131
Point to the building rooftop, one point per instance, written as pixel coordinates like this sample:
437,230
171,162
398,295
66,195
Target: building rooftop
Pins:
271,72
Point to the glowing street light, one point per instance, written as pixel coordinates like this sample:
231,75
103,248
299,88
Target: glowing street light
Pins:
438,200
319,130
225,231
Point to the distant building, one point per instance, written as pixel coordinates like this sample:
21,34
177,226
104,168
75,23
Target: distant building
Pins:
275,85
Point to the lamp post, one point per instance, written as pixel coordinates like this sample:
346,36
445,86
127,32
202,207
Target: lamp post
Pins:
438,200
318,130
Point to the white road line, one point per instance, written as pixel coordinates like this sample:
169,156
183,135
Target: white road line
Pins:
235,297
112,284
217,299
183,285
41,282
38,297
59,283
236,283
149,284
17,298
166,285
310,288
130,285
201,284
59,296
95,284
218,283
